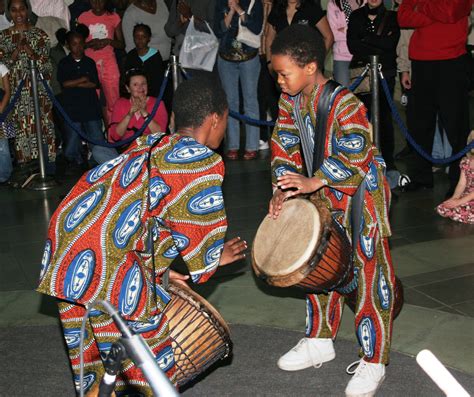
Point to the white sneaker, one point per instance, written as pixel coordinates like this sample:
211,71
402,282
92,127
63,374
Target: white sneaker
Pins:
366,380
309,352
263,145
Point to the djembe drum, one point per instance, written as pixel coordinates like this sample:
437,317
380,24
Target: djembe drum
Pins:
305,247
199,334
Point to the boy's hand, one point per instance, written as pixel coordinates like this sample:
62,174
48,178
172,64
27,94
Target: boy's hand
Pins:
233,251
300,183
179,278
276,203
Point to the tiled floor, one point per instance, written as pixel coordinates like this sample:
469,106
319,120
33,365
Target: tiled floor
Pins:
432,256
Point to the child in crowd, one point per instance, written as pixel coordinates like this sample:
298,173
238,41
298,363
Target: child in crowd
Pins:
332,161
77,75
6,128
146,58
460,207
105,34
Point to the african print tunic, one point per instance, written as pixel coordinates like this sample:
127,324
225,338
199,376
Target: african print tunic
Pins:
349,157
26,147
99,242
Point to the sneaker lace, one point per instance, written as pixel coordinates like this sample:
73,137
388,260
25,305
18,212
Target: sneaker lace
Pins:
362,370
303,344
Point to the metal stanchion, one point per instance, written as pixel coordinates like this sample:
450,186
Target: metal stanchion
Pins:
175,71
375,102
38,181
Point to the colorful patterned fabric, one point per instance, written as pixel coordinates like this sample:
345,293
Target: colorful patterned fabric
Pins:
349,158
26,145
462,213
100,237
101,333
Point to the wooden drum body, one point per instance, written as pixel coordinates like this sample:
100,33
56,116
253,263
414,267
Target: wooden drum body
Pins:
199,334
303,247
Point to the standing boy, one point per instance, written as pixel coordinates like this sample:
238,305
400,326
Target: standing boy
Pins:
77,75
335,169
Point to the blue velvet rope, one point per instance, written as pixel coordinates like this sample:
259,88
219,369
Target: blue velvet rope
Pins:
13,101
252,121
68,120
410,139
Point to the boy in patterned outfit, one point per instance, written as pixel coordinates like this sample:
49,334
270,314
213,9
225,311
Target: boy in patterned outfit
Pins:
349,157
165,192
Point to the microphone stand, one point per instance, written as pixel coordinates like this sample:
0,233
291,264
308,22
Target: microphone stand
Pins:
112,366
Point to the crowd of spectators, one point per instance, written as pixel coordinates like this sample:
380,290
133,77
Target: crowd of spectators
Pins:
107,64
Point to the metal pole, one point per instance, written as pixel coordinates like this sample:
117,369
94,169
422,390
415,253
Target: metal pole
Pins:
42,181
174,71
375,103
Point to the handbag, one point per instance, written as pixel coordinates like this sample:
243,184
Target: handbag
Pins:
199,48
354,72
245,35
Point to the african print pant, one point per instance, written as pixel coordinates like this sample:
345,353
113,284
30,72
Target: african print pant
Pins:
101,333
374,305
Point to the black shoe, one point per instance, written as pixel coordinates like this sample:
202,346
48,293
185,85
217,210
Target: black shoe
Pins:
404,153
414,186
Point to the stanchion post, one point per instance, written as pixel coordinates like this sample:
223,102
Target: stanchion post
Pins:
375,102
174,71
38,181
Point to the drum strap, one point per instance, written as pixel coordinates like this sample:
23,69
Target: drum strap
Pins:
326,101
151,243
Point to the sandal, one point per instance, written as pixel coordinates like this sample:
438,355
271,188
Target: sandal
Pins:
232,154
250,155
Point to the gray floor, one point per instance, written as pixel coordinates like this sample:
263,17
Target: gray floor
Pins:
250,371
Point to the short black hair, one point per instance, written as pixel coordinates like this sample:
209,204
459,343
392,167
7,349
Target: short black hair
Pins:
73,33
197,98
301,43
61,36
83,30
144,27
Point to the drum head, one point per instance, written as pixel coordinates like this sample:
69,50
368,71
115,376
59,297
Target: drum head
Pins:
283,245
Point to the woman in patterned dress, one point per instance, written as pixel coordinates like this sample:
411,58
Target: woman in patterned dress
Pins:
18,45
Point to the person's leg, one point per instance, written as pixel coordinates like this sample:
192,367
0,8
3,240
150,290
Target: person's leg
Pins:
100,154
249,72
109,79
374,306
72,143
341,72
5,161
100,335
421,116
323,317
229,74
387,139
453,99
373,315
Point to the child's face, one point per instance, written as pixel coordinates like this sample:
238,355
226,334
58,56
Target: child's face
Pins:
98,6
76,46
141,39
292,78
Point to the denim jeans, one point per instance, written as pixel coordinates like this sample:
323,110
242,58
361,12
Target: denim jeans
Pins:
441,147
93,131
247,72
5,161
341,72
